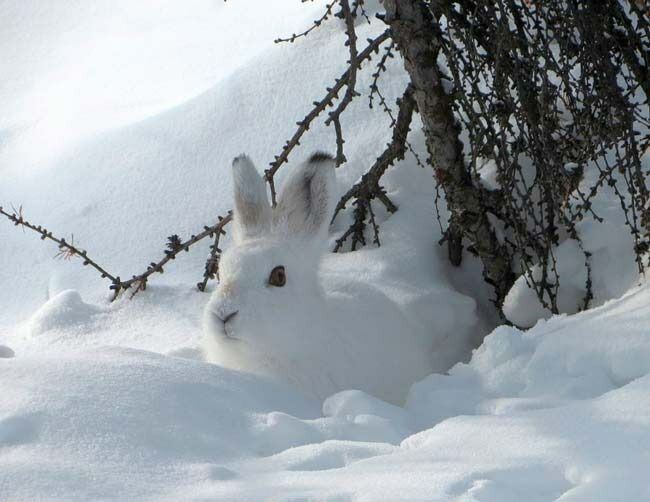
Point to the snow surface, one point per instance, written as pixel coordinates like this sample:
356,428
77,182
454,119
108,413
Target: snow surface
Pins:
119,123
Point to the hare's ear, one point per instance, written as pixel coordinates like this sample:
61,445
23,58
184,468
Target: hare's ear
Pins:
252,216
305,203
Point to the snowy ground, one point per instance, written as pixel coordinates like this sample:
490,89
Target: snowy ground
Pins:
119,121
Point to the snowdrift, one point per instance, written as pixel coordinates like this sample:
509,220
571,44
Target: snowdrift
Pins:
560,412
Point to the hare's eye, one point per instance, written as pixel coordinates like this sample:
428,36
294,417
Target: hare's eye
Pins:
278,277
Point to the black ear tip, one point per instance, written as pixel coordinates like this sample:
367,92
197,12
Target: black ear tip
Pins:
318,157
241,157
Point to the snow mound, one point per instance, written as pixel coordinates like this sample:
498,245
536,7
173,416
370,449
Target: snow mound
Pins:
65,311
560,360
561,411
125,420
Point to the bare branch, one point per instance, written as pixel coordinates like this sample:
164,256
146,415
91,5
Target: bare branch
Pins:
368,188
316,24
353,65
140,281
319,107
67,250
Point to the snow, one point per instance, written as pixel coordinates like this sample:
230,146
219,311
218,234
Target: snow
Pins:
75,68
113,401
559,411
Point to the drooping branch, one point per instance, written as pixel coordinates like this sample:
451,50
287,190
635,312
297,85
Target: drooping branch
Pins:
340,155
353,65
350,92
319,107
358,8
315,24
212,264
380,68
175,245
543,91
368,188
629,41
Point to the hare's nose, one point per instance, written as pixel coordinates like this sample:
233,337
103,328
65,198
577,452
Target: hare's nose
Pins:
228,317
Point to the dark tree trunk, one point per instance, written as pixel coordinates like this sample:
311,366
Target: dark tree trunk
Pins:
414,30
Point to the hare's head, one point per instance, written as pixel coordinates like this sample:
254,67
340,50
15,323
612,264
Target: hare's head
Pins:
269,275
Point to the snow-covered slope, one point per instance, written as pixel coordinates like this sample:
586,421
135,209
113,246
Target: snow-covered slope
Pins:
104,400
73,68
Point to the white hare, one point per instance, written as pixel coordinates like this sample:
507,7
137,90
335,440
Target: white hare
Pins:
271,314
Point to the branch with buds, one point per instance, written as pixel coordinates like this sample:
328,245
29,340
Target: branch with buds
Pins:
67,250
175,246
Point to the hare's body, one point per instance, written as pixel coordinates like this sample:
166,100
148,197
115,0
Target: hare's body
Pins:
272,315
342,341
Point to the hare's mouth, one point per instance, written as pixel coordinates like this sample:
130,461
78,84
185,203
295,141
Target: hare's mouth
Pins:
228,331
223,329
228,322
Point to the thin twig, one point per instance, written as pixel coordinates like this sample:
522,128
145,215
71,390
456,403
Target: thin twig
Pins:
212,263
67,249
315,24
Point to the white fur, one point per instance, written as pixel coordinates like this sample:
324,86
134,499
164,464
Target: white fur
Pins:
251,204
320,341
